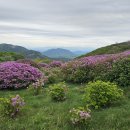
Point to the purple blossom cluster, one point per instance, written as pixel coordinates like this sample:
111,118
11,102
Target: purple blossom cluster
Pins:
30,62
84,114
56,63
16,104
37,87
44,65
12,106
17,75
97,59
85,69
79,116
17,101
53,64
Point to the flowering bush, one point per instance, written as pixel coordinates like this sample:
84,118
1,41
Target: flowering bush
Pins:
17,75
80,116
102,94
30,62
55,64
12,106
37,87
90,68
53,75
58,91
43,65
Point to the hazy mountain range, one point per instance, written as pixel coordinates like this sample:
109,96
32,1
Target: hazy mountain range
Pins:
59,53
64,54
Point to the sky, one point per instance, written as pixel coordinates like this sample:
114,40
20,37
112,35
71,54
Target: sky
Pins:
64,23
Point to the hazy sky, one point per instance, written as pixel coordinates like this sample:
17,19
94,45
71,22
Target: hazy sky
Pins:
64,23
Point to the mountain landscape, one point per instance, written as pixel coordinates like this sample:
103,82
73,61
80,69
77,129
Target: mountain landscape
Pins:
59,53
100,78
31,54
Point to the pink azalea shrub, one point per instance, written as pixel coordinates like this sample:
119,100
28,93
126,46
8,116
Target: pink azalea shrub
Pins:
37,87
43,65
80,116
88,68
17,75
30,62
56,64
12,106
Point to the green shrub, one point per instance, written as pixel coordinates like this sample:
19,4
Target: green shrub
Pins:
37,87
10,56
120,73
53,75
11,106
58,91
75,72
102,94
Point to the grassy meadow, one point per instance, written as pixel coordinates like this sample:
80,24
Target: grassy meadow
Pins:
42,113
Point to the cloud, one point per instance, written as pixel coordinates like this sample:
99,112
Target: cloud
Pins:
86,23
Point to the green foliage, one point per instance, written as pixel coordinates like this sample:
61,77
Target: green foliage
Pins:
37,87
119,73
80,116
11,106
82,75
58,91
5,106
10,56
79,74
42,60
54,75
102,94
41,113
31,54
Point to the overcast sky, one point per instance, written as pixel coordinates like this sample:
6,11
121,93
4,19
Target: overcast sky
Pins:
64,23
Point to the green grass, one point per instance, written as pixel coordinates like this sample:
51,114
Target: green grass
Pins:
41,113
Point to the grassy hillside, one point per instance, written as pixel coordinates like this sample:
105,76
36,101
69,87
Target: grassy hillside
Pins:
10,56
111,49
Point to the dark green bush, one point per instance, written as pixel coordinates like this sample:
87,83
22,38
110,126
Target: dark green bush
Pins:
119,73
102,94
75,72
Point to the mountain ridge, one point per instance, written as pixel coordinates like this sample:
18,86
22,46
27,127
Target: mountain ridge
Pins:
110,49
59,53
30,54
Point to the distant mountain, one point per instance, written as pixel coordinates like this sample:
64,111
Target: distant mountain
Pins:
59,53
78,53
111,49
31,54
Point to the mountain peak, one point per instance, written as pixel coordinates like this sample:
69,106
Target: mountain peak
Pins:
59,53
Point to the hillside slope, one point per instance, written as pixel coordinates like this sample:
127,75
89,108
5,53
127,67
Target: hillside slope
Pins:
111,49
21,50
